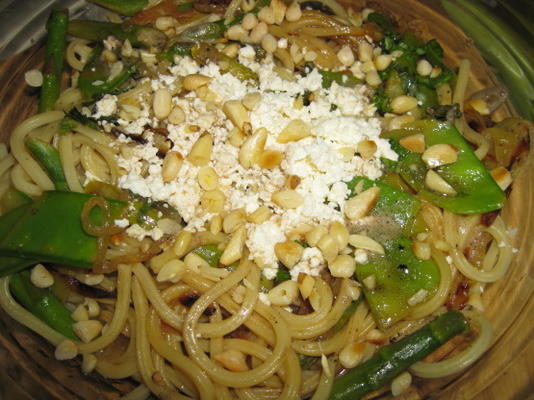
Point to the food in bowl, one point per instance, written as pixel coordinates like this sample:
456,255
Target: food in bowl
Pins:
255,200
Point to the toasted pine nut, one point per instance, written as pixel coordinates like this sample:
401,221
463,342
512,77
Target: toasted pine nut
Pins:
270,159
260,215
66,350
418,297
251,100
236,32
213,201
236,112
295,130
89,362
259,31
400,121
315,234
234,220
352,354
207,178
177,116
367,149
249,21
370,282
279,10
340,233
328,246
41,277
200,153
440,154
232,360
360,205
284,294
365,52
402,104
373,79
269,43
480,106
435,182
266,15
172,271
172,163
343,266
366,243
401,383
293,12
216,224
194,81
502,176
415,143
306,285
87,330
287,199
182,242
345,56
251,150
424,68
382,61
234,249
421,250
164,23
292,182
80,313
288,252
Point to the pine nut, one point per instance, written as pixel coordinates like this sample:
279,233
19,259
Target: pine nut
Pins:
352,354
200,153
343,266
440,154
315,234
358,206
365,52
164,23
237,137
249,21
293,181
402,104
232,360
34,78
436,71
66,350
479,106
251,150
157,262
236,112
296,53
279,10
340,233
424,68
373,79
234,220
415,143
251,100
306,285
328,246
172,163
213,201
234,249
366,243
418,297
266,15
369,282
80,313
367,66
93,308
288,252
172,271
260,215
194,262
231,50
40,277
216,224
87,330
89,362
367,149
400,121
177,115
295,130
376,336
383,61
401,383
236,32
259,31
270,159
207,178
284,294
293,12
435,182
345,56
269,43
287,199
181,244
502,176
194,81
310,56
366,12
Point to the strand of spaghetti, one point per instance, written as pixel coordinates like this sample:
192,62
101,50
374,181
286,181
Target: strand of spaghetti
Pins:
5,184
310,380
181,362
216,372
141,392
293,377
336,342
21,181
98,137
166,313
20,314
300,324
144,360
69,99
462,360
6,163
498,231
124,279
180,380
113,370
92,164
106,154
217,347
223,327
461,83
442,292
319,327
67,161
255,323
325,382
21,154
129,353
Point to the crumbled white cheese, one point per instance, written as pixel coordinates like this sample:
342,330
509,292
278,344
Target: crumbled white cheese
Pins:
361,256
264,298
121,223
140,233
311,263
260,241
106,106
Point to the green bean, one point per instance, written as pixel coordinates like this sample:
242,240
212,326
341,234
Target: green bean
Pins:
49,158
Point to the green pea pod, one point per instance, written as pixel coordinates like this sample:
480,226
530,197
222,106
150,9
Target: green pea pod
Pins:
209,252
94,79
394,358
204,53
477,192
54,58
50,230
124,7
42,303
48,156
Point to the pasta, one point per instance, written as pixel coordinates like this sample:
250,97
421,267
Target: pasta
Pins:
223,257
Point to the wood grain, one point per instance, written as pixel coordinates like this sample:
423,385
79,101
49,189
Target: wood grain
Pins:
28,369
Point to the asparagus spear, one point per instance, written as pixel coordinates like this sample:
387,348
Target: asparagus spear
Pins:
392,359
54,56
48,156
